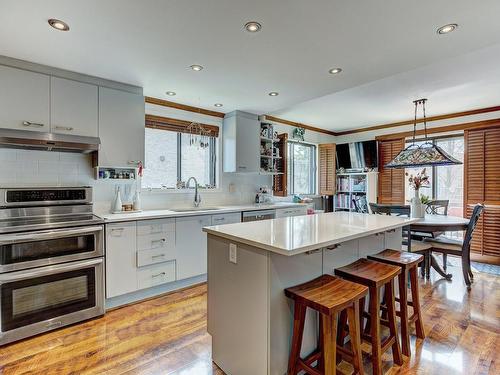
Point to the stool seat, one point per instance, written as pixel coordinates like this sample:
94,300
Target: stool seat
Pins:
368,272
327,294
397,258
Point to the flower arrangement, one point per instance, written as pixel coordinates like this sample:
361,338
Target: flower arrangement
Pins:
420,180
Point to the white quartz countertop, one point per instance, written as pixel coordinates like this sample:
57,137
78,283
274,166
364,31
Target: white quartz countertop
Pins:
299,234
158,214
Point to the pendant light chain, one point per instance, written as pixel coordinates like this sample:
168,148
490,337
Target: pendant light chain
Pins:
425,118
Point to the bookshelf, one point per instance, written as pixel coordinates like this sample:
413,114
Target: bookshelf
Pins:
362,186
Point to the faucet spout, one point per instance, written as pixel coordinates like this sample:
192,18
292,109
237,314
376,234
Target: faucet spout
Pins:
197,196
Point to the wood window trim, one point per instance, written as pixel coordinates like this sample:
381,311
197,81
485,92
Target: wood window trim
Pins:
182,107
175,125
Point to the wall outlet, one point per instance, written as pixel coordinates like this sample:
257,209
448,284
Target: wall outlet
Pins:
233,253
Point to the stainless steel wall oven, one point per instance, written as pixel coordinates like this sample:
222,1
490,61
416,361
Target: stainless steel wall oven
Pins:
51,260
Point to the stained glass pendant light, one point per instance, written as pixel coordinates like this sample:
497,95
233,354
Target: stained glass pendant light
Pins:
426,154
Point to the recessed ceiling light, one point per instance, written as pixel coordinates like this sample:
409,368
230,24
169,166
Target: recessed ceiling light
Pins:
196,68
335,70
58,24
170,93
253,27
447,28
218,105
274,93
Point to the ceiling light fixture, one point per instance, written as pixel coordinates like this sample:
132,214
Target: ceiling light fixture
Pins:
253,27
196,68
335,70
218,105
58,24
426,154
447,28
171,93
273,93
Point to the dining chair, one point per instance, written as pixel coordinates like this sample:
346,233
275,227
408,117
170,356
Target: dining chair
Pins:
445,245
408,244
437,207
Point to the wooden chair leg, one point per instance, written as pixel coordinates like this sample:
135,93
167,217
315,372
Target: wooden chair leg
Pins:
445,261
329,344
320,365
355,335
299,317
415,297
470,273
465,272
403,308
428,255
391,311
375,331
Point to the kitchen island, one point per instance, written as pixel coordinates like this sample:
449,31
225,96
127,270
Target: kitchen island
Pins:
250,265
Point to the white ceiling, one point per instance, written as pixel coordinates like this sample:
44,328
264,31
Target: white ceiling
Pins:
151,43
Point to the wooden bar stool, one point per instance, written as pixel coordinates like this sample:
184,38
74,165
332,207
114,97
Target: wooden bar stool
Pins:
408,262
376,275
328,295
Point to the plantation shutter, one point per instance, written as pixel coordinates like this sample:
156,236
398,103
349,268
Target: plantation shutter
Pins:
327,168
391,184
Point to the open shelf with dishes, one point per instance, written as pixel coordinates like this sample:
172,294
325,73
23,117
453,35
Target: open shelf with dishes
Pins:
361,187
270,151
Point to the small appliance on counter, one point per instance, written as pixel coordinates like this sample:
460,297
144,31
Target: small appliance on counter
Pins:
51,260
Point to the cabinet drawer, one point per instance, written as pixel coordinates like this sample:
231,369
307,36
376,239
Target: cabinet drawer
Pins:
165,240
148,227
156,275
147,257
226,218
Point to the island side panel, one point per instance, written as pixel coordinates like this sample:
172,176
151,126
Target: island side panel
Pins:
238,307
284,272
394,239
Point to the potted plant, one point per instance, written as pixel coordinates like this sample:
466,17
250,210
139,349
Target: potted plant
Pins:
418,181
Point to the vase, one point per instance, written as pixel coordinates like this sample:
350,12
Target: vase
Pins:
417,208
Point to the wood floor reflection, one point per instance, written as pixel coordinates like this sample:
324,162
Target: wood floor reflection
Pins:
167,335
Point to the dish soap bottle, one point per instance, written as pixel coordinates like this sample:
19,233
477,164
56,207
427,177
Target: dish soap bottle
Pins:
117,206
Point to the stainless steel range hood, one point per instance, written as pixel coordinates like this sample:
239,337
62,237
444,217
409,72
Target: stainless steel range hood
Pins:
26,139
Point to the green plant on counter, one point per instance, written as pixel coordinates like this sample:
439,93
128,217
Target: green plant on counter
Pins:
425,199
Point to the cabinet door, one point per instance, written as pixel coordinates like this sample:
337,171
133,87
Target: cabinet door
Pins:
121,128
371,244
339,255
73,107
24,100
191,246
231,218
121,271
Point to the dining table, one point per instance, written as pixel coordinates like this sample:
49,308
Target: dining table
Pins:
431,224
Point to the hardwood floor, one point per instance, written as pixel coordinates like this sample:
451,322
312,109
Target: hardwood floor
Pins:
167,335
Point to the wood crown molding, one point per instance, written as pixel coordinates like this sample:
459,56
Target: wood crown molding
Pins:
444,129
183,107
299,125
429,119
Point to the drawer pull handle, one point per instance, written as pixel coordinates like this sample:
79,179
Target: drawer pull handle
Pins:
35,124
333,247
158,275
313,251
158,256
163,240
68,128
220,219
391,230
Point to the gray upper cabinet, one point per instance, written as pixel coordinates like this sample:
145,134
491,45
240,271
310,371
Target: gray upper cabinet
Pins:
24,100
73,107
121,128
241,142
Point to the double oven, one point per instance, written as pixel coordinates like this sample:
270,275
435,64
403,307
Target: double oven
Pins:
51,260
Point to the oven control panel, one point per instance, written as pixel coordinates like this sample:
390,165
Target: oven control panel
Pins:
18,197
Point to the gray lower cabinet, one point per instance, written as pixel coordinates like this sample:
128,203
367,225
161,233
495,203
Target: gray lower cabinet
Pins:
191,245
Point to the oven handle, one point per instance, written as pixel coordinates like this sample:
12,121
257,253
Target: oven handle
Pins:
47,235
48,270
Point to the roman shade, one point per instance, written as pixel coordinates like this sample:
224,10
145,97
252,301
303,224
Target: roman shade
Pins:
175,125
